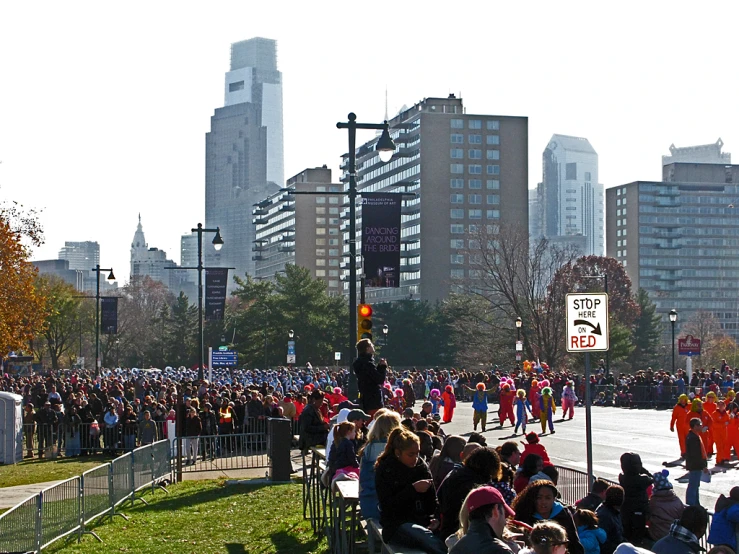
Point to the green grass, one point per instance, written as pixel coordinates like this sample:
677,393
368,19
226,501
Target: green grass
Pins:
33,471
207,516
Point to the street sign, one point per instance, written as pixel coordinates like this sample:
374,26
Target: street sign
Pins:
518,356
291,358
519,346
689,346
225,358
587,322
337,356
290,348
223,348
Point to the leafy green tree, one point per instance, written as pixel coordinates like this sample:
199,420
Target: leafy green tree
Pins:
646,334
61,329
181,333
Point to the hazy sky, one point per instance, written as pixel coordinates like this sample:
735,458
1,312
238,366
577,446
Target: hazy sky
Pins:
104,106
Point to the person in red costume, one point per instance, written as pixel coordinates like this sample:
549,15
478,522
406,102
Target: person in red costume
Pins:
506,405
449,401
709,405
534,399
679,418
720,429
534,446
696,410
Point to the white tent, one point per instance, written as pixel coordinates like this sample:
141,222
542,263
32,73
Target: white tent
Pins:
11,428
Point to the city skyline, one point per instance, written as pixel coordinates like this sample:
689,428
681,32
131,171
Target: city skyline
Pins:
119,126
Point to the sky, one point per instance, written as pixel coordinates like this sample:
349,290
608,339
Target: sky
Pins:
104,106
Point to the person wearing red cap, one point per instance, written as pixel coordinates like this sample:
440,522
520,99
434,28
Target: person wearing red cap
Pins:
488,513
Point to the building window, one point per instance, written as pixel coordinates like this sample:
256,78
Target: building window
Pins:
571,171
456,153
333,211
320,252
333,262
333,200
457,243
492,139
333,231
492,154
493,184
475,139
320,221
492,214
456,213
333,283
456,168
320,189
456,229
320,272
475,184
333,252
618,192
474,198
492,199
493,170
618,233
333,242
492,125
457,123
475,124
456,198
320,242
474,169
456,183
320,262
456,138
624,202
320,210
457,274
333,272
474,154
475,214
320,199
320,230
457,259
587,176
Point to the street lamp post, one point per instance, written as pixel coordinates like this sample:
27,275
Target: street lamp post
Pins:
519,323
673,319
385,148
217,244
385,330
97,269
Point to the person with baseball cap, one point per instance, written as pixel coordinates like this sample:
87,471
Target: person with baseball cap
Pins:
486,521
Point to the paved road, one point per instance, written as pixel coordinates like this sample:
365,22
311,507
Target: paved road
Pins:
615,431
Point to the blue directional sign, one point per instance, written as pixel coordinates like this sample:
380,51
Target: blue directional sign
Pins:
291,348
225,358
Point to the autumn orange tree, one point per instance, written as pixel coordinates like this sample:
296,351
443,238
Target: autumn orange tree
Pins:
22,306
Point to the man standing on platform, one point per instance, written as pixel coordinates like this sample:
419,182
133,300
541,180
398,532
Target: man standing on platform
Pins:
370,377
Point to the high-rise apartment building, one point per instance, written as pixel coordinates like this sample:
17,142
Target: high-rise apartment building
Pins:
701,154
244,155
82,256
301,229
676,238
569,205
467,171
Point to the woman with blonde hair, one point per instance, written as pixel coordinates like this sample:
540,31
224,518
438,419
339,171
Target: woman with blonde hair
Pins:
383,425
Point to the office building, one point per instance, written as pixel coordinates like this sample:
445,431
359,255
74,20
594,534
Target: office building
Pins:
702,154
676,238
81,255
569,204
60,269
301,229
244,152
153,263
466,171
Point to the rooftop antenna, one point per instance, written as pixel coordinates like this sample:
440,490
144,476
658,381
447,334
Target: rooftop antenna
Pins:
386,117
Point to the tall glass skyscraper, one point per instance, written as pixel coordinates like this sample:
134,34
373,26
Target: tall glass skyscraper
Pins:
244,153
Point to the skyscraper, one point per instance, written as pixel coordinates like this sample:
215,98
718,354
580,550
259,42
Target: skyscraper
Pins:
701,154
244,156
81,256
570,198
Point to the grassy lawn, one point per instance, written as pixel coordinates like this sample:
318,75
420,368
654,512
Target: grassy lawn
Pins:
207,516
33,471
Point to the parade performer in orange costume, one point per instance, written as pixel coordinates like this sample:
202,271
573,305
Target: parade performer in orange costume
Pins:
449,401
709,405
720,432
506,404
534,398
679,418
696,410
732,430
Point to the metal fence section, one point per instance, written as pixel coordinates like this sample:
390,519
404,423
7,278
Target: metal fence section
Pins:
18,530
71,505
573,484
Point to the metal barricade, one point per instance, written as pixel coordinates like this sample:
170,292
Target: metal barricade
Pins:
95,493
161,464
60,510
573,484
121,485
141,467
18,529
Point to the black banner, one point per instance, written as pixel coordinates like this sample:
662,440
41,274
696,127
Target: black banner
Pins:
215,293
109,315
381,239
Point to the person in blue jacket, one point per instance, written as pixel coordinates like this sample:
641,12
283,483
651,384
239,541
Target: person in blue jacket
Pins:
480,407
591,536
725,523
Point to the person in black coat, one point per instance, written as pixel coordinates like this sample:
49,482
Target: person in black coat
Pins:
313,430
406,495
370,377
635,481
609,519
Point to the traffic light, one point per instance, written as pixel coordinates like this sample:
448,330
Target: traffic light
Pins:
364,322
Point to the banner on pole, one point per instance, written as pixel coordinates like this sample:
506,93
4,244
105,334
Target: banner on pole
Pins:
381,239
109,315
216,280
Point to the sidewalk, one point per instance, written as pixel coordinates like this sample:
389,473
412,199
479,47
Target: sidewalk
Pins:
11,496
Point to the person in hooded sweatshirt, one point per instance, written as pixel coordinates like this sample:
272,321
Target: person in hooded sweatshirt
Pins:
635,481
664,506
591,536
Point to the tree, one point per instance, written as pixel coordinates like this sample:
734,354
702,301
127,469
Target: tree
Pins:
704,326
181,334
646,334
23,307
61,327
